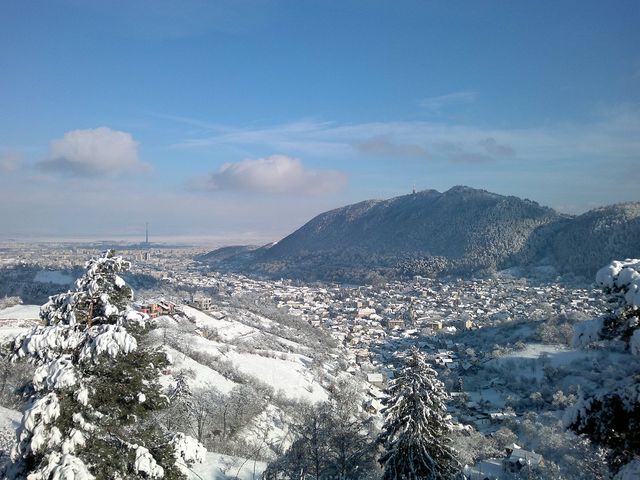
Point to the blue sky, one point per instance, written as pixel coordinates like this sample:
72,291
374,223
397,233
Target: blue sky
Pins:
240,120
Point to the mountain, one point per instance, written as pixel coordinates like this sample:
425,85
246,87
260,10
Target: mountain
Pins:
466,227
452,224
460,231
593,239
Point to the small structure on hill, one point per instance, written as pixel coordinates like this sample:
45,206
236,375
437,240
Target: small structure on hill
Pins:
156,308
201,303
518,459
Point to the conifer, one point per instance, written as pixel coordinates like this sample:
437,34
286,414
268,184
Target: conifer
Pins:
415,434
95,389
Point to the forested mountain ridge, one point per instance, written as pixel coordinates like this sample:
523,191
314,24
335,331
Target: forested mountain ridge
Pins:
596,237
460,231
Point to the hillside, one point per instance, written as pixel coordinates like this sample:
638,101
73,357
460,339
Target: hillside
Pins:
455,224
597,237
461,231
235,362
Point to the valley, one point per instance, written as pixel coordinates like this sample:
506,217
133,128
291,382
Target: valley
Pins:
503,345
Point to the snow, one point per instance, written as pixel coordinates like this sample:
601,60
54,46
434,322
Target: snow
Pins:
187,450
45,343
35,419
587,332
227,330
44,410
82,395
145,463
270,429
491,468
8,332
75,439
55,375
62,467
203,376
622,276
535,350
9,418
109,339
292,377
79,419
21,312
222,467
119,282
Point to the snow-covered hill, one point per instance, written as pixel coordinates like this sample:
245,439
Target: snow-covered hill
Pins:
282,370
222,352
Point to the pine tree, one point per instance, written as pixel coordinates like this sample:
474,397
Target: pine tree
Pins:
415,434
611,417
95,390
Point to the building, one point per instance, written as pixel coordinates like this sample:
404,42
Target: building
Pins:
156,308
396,323
518,459
201,303
375,379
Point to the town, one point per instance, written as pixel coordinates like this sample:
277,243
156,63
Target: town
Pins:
479,334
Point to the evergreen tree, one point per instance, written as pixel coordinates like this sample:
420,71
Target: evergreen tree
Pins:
95,389
611,417
415,434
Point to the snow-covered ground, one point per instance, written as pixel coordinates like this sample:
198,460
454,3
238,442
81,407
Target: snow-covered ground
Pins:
224,467
203,376
16,320
9,422
248,348
227,330
21,312
289,373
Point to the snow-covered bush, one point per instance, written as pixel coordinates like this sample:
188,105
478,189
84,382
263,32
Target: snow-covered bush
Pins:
587,332
620,280
95,389
611,417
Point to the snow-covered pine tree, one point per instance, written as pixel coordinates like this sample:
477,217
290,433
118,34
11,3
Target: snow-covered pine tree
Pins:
415,434
95,390
611,417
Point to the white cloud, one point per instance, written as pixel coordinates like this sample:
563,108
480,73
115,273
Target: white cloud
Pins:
613,135
93,152
277,174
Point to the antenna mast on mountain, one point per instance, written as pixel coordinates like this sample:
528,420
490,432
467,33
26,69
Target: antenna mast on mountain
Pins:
414,188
